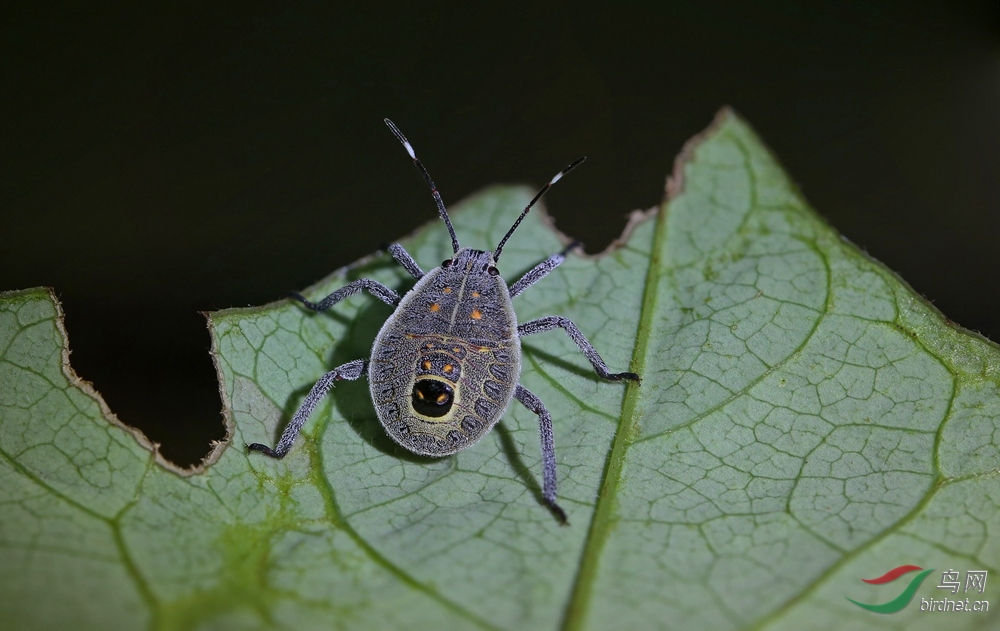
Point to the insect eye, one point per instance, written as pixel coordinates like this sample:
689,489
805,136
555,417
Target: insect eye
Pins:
446,263
492,271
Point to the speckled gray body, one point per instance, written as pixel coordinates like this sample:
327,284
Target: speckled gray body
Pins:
456,326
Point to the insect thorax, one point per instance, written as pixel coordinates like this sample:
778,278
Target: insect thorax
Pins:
445,364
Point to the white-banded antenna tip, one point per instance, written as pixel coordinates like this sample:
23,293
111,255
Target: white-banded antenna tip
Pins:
409,149
556,178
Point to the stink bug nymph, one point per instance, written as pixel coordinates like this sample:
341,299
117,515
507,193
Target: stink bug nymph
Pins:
445,366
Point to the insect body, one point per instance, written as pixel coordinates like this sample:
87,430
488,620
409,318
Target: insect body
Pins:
445,365
444,369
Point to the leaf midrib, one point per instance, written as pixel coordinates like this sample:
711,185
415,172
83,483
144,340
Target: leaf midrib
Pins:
602,520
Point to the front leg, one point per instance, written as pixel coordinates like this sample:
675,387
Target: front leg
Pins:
349,371
376,289
541,270
554,322
403,257
535,404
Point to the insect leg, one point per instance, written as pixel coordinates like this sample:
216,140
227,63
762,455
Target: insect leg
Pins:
376,289
552,322
535,404
403,258
349,371
541,270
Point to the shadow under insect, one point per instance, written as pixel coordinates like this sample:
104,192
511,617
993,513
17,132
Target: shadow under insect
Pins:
534,352
512,450
352,399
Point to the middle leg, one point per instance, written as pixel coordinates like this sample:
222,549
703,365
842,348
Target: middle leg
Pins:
556,322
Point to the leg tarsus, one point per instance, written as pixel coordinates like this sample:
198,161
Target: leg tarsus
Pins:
575,243
349,372
264,449
558,322
549,481
558,513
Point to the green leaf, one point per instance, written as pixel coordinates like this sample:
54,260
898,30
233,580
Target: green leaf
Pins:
804,421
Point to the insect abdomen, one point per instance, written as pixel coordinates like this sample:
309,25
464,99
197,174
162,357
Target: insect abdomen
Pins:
474,393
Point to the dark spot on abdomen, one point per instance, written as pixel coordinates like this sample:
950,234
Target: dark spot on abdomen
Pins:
432,398
494,389
485,408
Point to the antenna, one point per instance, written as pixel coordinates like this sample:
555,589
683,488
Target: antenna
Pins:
427,178
573,165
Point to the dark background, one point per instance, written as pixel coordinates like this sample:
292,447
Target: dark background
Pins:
157,161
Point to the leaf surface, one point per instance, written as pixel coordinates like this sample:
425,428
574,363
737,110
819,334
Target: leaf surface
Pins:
804,421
